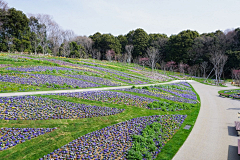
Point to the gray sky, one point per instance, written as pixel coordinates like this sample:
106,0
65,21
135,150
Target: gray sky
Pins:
86,17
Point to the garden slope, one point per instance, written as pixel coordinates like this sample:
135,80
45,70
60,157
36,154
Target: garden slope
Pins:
213,135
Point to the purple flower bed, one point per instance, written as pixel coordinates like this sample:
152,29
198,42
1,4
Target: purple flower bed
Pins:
157,94
188,96
4,65
133,81
37,68
23,57
76,66
185,84
155,76
186,91
234,94
182,85
38,108
98,80
10,137
50,80
113,142
112,97
63,63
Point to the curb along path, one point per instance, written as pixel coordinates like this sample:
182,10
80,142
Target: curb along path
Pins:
213,136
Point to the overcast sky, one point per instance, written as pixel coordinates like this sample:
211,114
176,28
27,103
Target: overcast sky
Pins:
86,17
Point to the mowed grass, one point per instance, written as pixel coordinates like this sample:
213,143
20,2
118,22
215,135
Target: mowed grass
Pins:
70,129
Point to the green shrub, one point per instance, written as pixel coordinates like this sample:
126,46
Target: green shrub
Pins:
146,87
54,71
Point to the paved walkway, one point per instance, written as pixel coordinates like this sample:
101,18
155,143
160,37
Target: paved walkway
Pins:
213,136
79,90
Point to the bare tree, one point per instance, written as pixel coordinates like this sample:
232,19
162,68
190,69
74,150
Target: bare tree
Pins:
182,67
48,31
67,37
3,11
94,53
204,66
153,56
190,71
194,69
34,28
129,49
123,58
218,59
3,5
119,57
99,55
44,21
236,75
55,38
163,66
86,42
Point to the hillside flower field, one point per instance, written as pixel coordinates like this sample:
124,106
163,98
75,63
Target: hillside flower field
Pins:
138,122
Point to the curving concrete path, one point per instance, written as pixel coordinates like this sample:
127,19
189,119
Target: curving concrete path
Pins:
80,90
214,136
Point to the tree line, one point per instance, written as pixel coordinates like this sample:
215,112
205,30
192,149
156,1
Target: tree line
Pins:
187,51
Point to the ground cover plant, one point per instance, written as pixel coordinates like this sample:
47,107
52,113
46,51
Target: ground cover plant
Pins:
67,72
170,106
111,97
10,137
123,73
156,76
123,76
183,92
37,108
122,140
114,68
97,80
154,136
157,92
177,92
4,65
38,68
48,80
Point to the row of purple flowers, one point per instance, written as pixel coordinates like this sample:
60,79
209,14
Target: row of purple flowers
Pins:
38,108
49,80
111,97
10,137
